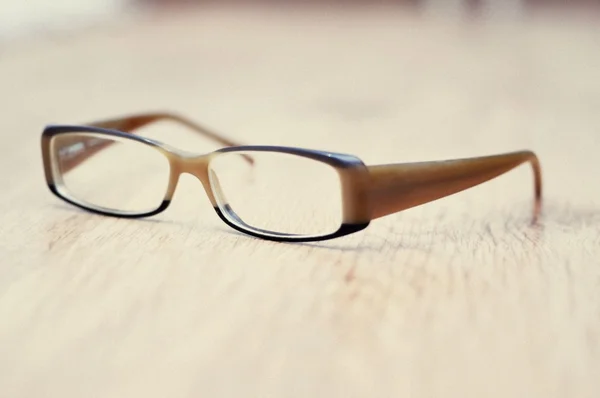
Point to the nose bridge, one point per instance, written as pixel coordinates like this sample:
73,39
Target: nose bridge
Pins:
198,167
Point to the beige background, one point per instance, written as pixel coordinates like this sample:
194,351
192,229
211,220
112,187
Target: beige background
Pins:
459,298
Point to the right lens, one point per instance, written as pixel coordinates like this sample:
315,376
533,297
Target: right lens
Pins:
110,173
280,194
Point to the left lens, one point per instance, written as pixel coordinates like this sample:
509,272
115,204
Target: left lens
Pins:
110,174
280,194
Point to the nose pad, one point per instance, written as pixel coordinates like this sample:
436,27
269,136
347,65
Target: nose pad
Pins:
217,191
222,203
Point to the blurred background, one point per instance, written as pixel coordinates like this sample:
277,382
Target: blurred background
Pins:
18,18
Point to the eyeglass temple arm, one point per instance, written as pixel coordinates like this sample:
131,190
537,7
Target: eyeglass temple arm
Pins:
131,123
396,187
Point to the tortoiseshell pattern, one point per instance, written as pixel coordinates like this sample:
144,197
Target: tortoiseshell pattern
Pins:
368,192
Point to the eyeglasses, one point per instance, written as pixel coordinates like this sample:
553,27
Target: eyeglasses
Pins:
270,192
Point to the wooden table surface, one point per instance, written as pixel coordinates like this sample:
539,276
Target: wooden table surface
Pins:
463,297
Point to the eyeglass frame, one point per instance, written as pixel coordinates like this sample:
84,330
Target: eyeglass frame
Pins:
368,192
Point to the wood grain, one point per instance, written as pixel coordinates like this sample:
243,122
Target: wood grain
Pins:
462,297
